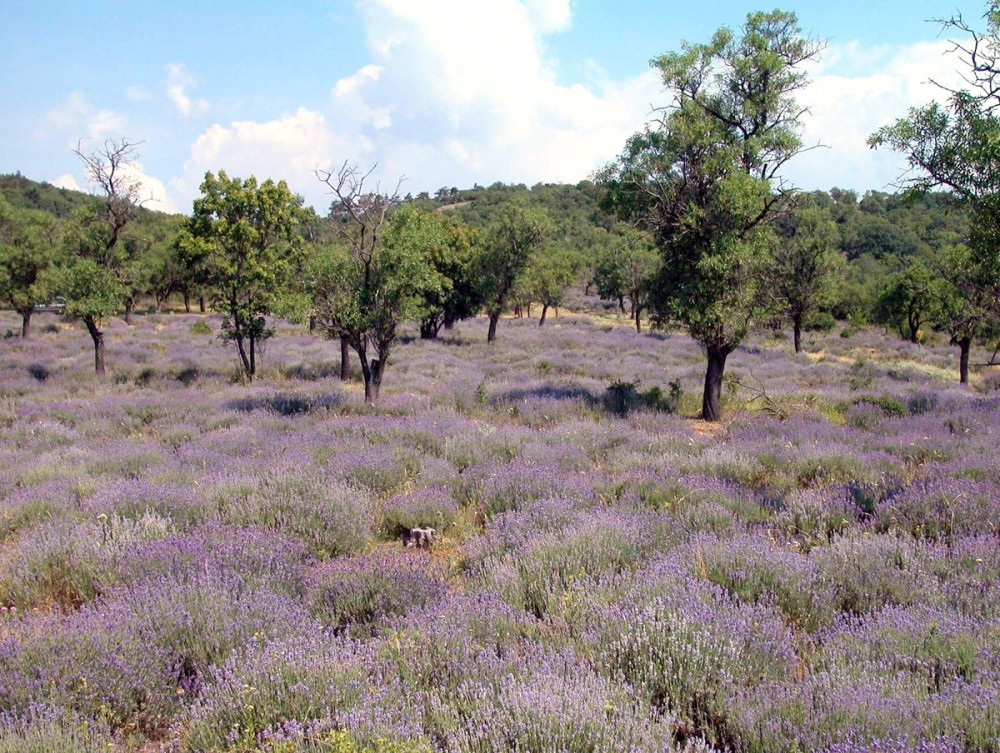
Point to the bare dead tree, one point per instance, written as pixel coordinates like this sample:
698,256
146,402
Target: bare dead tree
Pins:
110,169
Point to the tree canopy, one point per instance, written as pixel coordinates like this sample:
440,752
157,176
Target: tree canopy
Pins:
705,179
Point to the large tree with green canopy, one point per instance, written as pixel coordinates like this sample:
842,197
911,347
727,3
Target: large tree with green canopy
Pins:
379,274
28,241
705,179
955,146
245,233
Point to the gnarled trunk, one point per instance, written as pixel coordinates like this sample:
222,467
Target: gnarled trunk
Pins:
491,335
373,379
711,404
345,359
545,310
964,345
26,322
93,327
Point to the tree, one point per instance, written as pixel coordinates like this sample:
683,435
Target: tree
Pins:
908,300
28,242
370,283
447,244
89,277
956,146
245,235
965,307
549,274
705,180
626,269
508,244
805,266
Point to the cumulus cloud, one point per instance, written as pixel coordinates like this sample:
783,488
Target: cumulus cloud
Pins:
66,180
854,91
438,105
288,148
456,93
77,118
179,80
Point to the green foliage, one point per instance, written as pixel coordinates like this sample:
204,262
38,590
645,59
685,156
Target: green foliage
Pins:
622,397
28,241
806,263
907,300
508,244
548,275
92,292
444,292
705,179
245,235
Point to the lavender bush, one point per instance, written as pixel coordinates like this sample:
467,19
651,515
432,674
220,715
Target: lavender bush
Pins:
189,563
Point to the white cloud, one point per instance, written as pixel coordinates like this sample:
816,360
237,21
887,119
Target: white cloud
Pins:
351,84
66,181
138,94
288,148
438,105
550,15
77,119
855,91
457,93
179,80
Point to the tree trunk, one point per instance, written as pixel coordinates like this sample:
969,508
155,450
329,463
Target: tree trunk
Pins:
373,380
638,320
492,334
429,328
711,405
545,310
965,345
253,357
312,322
187,302
244,360
25,323
98,337
201,304
129,306
345,359
621,304
797,332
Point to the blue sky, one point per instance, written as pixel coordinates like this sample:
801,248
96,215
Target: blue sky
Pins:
444,92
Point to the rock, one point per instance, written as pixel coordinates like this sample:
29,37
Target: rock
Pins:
421,538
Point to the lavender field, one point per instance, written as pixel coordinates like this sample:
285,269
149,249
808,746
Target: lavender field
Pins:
190,563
